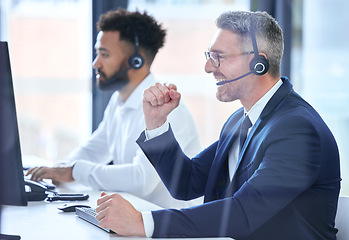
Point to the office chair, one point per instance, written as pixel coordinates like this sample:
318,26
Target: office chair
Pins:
342,218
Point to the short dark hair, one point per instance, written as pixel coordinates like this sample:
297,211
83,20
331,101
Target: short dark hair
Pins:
151,35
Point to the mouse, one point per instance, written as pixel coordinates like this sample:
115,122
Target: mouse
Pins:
70,207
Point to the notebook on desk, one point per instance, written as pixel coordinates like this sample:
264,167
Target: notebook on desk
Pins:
89,215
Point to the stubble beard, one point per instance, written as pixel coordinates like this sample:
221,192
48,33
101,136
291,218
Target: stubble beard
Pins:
226,93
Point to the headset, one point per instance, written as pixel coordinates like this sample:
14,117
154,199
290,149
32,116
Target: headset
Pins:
259,64
136,61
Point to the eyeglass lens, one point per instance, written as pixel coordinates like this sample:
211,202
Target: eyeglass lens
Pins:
214,58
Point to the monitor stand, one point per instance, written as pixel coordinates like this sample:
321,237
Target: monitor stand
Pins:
9,237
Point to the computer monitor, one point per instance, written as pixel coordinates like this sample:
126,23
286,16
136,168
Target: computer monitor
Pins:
12,190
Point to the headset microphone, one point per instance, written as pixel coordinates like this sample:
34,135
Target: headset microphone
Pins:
232,80
259,65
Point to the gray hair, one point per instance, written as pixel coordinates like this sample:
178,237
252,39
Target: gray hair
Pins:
268,33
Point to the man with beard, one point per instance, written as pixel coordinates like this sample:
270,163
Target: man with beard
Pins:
126,46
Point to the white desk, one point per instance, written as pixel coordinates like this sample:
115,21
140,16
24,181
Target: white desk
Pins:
42,220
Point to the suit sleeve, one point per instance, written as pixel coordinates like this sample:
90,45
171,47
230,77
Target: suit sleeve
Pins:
185,178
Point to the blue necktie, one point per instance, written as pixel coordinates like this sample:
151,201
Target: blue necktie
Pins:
245,125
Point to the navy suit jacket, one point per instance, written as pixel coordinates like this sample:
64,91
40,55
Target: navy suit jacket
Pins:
285,186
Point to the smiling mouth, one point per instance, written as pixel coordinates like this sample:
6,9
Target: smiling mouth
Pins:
219,77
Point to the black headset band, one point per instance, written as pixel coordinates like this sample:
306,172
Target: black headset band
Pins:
136,60
253,36
259,65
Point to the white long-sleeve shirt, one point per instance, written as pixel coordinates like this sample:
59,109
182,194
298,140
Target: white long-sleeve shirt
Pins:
115,140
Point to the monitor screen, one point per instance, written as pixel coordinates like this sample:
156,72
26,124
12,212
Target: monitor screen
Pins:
12,191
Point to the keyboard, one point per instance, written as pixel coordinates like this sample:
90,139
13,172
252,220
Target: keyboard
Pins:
89,215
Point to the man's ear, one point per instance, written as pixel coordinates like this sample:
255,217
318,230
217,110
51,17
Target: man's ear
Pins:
263,54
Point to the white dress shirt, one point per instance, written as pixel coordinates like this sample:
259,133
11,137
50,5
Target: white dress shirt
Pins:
253,114
115,140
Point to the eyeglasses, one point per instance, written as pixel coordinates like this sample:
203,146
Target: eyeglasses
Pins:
216,57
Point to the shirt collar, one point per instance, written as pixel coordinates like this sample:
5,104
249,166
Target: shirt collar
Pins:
258,107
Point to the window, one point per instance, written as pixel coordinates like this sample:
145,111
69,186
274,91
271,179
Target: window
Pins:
50,51
322,72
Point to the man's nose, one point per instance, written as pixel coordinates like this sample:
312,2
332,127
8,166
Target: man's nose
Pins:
95,63
209,66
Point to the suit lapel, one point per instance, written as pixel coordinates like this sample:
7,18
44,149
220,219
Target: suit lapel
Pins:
273,103
234,182
219,170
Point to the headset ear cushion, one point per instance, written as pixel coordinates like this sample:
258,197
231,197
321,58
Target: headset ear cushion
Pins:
136,61
259,65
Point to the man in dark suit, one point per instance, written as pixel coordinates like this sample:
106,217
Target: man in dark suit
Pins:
282,182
